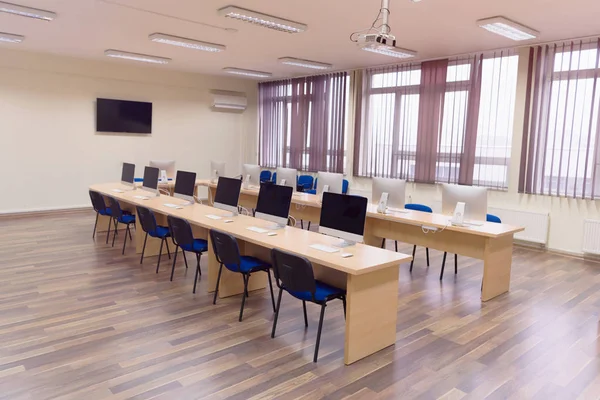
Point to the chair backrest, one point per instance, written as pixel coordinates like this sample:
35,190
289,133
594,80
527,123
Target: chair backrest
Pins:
316,182
293,273
147,219
115,208
181,231
345,185
274,179
97,201
306,181
418,207
225,247
493,218
265,176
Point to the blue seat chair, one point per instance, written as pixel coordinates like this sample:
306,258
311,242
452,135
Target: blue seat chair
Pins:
295,275
314,189
120,217
305,182
422,208
227,253
152,229
489,218
182,235
274,178
101,209
345,185
265,176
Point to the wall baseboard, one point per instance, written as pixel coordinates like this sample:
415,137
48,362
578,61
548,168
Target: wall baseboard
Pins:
44,211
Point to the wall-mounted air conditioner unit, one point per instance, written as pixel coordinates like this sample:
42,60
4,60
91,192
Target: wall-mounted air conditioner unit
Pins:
226,101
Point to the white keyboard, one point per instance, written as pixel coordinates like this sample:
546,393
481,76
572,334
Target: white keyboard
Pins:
117,190
257,230
172,205
398,210
211,216
326,249
141,197
474,223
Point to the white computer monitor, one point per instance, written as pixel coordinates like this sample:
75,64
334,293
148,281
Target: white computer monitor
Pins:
251,174
228,194
217,169
167,165
343,217
474,197
150,183
290,176
395,188
185,185
128,175
334,181
274,203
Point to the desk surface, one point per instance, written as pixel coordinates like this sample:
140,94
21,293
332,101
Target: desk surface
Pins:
440,221
365,258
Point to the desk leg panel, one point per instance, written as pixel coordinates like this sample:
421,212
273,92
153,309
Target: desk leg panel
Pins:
497,265
371,313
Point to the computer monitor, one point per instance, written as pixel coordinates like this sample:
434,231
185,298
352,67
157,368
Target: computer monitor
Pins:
474,197
217,169
185,184
343,216
228,194
128,174
395,188
168,166
274,204
253,172
150,183
332,180
290,175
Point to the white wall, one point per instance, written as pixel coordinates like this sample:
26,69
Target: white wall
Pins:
50,152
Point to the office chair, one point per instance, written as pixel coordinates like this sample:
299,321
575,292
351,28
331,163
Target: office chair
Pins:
488,218
422,208
265,176
314,189
345,185
149,225
101,209
227,253
274,178
294,274
120,217
305,182
182,235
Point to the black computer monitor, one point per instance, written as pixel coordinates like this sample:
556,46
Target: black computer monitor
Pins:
274,203
151,179
343,216
128,174
228,194
185,184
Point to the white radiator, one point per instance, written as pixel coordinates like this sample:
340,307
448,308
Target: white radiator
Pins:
591,236
536,224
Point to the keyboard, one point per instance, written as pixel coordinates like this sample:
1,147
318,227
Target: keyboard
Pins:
474,223
257,230
117,190
211,216
172,205
141,197
398,210
326,249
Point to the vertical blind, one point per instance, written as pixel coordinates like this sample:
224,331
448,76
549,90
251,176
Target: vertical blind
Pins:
560,143
439,121
302,123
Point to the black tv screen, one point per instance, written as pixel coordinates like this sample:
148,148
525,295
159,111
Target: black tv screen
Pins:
123,116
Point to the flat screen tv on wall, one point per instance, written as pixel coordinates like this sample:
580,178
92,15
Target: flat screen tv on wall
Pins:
122,116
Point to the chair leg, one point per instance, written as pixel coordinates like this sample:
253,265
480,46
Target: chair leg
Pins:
383,243
108,229
144,248
129,231
184,258
344,303
396,243
276,312
95,225
125,241
427,253
309,225
455,264
159,255
413,258
198,271
305,316
174,261
115,233
443,265
301,224
319,332
245,278
168,251
217,286
271,288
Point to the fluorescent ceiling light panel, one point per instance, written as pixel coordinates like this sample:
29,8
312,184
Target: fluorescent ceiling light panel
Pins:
298,62
10,38
264,20
187,43
388,50
507,28
26,11
136,57
247,72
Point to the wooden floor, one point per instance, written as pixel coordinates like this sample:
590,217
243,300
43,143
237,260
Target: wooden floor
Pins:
80,321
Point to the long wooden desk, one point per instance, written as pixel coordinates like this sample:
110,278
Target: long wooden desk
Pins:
491,242
370,276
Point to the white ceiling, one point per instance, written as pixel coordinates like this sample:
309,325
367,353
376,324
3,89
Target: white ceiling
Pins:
434,28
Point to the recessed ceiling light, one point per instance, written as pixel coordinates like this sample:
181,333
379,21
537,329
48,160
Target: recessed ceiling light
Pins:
10,38
304,63
187,43
26,11
247,72
507,28
264,20
136,57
